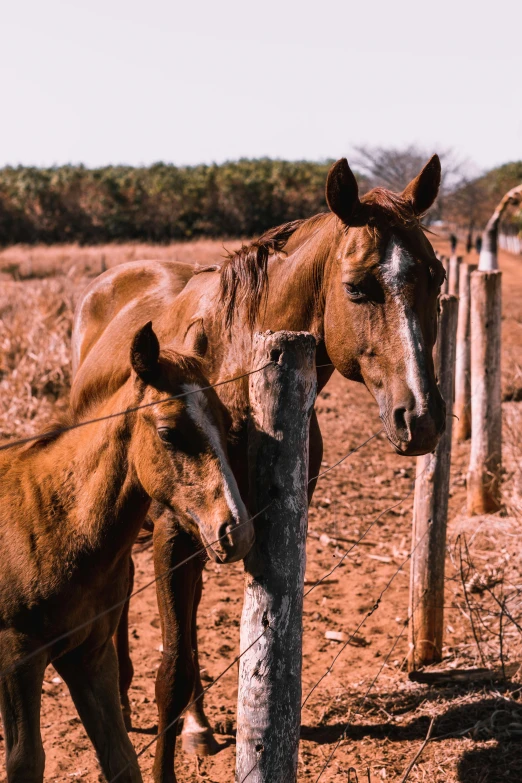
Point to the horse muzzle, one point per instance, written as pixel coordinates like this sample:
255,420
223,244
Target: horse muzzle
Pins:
232,541
412,432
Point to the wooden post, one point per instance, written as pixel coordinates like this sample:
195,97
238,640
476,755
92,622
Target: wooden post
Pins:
430,511
269,700
463,358
453,275
486,410
488,260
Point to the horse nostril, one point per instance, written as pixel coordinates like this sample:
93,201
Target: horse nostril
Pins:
399,419
226,535
224,532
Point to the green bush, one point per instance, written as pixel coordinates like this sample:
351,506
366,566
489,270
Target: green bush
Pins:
158,203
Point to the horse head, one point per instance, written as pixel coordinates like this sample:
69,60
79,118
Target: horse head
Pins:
381,289
179,447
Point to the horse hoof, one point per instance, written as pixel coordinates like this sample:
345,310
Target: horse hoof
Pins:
127,718
199,743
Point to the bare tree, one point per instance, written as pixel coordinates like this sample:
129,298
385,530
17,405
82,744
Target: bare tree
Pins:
394,167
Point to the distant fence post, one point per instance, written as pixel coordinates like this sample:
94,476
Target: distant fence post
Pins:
483,482
453,275
430,512
269,699
463,358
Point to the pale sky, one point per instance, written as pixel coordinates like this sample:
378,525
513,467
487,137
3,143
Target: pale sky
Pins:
121,81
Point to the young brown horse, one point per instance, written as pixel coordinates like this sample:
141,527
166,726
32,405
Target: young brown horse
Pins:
363,279
71,507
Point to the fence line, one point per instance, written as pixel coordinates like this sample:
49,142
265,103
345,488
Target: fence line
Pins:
418,476
199,551
371,611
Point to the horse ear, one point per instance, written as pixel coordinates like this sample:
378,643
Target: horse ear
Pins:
144,354
422,191
342,191
195,339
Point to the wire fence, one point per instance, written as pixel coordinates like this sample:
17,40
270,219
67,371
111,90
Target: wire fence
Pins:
375,605
61,430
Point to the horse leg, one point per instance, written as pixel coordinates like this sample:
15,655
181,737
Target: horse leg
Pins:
92,679
20,700
176,675
197,736
125,667
315,448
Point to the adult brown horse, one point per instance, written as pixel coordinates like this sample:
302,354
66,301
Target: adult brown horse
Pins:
363,279
71,506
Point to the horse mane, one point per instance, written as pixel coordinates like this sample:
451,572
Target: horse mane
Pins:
56,427
244,273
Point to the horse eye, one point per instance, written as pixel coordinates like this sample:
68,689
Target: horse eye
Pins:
353,291
439,276
179,440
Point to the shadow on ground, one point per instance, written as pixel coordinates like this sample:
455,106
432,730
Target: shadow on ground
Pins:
495,720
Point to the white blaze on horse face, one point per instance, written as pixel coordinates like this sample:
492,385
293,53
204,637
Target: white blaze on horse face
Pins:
197,407
397,263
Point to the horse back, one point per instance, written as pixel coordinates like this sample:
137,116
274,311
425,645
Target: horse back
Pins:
114,306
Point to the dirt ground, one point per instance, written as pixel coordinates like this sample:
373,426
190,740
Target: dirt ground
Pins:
476,734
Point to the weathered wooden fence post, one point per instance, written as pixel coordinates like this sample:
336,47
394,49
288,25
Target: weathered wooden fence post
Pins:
430,511
269,700
463,358
488,260
483,480
453,275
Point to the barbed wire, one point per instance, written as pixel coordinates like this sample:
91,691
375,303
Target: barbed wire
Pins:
203,549
370,687
123,601
370,526
200,696
375,606
133,409
336,464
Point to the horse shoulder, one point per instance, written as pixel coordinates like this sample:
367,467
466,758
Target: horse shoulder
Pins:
24,527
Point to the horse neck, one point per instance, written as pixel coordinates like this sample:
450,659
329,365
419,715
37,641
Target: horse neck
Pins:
86,474
295,297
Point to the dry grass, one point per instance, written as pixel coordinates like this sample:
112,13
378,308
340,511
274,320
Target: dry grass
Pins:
21,262
39,289
35,368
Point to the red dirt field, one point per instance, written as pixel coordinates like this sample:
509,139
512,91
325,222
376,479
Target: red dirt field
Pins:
477,729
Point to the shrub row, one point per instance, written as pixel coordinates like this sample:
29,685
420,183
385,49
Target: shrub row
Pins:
157,203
